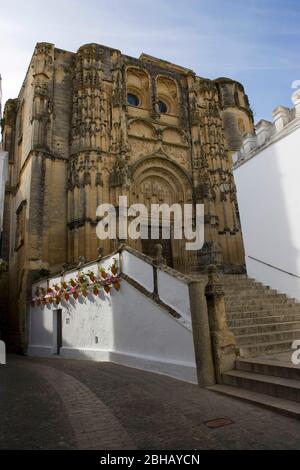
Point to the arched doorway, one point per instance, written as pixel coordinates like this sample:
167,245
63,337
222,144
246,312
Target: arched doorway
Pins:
158,180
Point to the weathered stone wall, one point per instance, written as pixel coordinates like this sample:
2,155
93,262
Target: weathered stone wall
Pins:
75,141
236,113
3,178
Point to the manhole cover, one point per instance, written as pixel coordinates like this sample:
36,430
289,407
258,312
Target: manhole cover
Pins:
218,422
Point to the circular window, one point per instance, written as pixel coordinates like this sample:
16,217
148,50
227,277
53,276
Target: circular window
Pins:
163,108
132,99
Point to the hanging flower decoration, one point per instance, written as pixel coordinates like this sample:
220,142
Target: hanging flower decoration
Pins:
81,285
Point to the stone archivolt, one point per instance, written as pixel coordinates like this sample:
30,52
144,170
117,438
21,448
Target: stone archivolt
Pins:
159,166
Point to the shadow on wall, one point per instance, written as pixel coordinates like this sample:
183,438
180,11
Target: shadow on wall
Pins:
4,318
126,327
79,328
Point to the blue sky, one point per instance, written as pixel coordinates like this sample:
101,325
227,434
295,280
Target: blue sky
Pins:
255,42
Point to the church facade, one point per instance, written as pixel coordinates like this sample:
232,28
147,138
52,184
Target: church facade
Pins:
90,126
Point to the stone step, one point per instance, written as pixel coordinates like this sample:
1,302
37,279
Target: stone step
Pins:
233,290
249,314
267,312
258,320
278,298
241,305
256,296
265,328
257,349
285,407
279,387
237,277
243,285
269,367
267,337
234,279
262,319
230,284
260,306
244,292
251,287
257,302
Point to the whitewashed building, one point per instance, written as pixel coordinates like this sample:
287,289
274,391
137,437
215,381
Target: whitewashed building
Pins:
267,176
146,325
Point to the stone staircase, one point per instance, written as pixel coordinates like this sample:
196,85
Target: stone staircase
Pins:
265,324
262,320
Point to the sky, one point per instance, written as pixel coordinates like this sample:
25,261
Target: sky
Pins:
253,41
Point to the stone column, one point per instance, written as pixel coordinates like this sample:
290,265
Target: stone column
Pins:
201,335
223,341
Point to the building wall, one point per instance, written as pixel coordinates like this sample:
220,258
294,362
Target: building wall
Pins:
74,141
269,198
236,112
126,327
3,265
3,178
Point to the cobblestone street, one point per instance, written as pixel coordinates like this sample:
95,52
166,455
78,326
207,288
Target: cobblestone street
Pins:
69,404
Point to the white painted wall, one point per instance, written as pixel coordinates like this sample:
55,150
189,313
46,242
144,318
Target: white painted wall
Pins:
268,191
138,270
174,292
125,327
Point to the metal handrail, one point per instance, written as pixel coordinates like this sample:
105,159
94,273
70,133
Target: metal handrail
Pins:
274,267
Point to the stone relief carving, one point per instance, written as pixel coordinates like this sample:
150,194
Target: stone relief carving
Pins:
140,148
177,154
101,120
43,59
120,173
